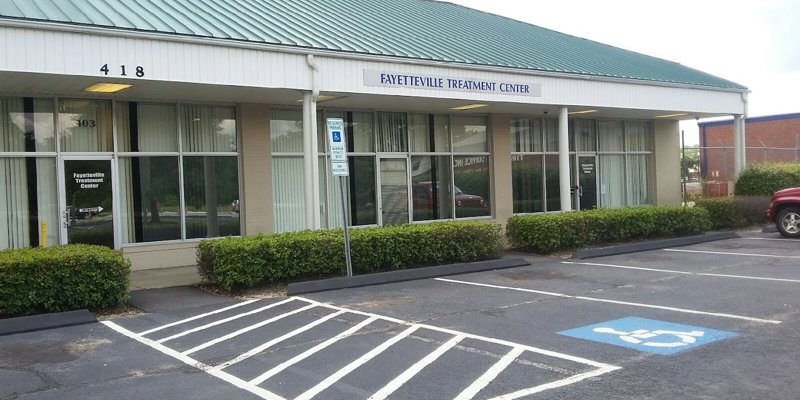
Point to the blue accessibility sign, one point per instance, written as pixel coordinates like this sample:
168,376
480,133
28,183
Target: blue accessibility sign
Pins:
337,136
649,335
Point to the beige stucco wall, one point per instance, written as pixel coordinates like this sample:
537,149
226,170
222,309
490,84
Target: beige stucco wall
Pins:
502,196
667,163
256,169
162,255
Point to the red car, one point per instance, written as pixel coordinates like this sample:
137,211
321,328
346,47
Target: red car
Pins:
423,197
784,210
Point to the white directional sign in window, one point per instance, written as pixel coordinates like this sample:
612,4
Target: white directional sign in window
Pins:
338,147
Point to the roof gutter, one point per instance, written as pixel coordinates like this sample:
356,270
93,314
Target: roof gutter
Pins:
239,44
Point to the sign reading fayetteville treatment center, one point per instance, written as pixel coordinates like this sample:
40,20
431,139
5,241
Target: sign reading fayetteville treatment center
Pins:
434,82
91,180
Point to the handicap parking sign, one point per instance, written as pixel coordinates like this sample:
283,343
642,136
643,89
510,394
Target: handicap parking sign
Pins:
337,136
649,335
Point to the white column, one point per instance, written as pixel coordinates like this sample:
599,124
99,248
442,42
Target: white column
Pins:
563,160
739,153
308,162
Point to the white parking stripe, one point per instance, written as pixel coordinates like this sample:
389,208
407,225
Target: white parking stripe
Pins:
253,385
183,321
757,278
556,384
222,321
247,329
490,374
725,253
277,340
274,371
401,379
355,364
240,383
469,335
759,238
683,310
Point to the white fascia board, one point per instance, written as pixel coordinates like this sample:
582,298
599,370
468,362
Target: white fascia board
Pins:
55,48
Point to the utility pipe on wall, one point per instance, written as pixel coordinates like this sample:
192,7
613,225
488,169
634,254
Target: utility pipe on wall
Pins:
310,144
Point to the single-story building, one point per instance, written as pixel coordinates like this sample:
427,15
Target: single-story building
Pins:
147,125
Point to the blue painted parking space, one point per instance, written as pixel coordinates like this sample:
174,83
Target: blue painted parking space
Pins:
649,335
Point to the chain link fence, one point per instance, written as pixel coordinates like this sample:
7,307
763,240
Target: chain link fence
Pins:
716,173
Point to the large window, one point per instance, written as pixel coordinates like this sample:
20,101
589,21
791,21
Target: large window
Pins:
404,167
534,165
28,197
162,145
288,190
624,150
471,166
625,163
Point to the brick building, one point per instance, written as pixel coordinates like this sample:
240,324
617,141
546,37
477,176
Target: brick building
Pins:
769,138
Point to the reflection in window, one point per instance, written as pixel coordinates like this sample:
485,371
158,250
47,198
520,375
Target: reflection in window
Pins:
528,182
149,199
361,189
429,133
471,190
211,190
208,129
470,135
430,187
526,135
286,131
553,190
28,196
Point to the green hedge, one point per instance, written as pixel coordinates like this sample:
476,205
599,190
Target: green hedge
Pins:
735,212
245,261
767,178
723,213
547,233
62,278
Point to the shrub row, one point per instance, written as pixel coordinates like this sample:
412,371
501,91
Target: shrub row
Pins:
62,278
735,212
547,233
244,261
767,178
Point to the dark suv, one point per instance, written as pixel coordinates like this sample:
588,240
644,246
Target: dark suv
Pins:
784,210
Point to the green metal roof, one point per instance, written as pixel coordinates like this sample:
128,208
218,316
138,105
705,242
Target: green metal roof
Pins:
415,29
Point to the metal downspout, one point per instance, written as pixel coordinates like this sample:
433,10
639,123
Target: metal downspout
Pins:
563,159
315,189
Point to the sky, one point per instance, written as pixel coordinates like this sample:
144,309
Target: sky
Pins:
755,43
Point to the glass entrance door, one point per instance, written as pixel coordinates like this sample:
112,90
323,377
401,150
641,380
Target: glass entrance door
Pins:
587,183
88,215
394,191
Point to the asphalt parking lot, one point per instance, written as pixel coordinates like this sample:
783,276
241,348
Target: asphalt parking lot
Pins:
717,320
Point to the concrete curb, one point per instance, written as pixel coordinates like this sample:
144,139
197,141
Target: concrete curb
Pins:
653,245
400,276
42,322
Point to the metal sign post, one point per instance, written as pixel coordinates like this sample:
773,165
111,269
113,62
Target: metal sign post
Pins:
340,168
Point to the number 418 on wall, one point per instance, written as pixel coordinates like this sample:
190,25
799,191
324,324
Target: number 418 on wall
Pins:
123,71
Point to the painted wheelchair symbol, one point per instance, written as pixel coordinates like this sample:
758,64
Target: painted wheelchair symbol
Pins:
641,336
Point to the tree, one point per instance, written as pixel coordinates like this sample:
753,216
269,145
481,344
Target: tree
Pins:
690,159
